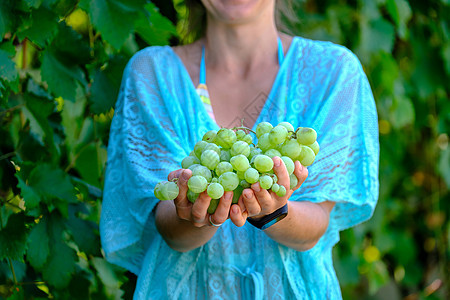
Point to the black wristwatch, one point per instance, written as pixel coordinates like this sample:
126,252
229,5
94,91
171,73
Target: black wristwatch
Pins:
270,219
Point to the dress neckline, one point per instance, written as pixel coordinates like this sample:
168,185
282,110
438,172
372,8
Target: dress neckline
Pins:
283,66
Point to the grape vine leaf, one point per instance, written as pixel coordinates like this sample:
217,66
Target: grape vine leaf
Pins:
28,194
13,237
8,71
40,28
157,29
85,233
376,35
401,13
33,3
5,17
114,19
61,78
38,245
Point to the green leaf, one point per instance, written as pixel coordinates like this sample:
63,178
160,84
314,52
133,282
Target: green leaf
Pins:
60,265
38,245
114,19
157,29
446,56
5,17
13,237
106,85
53,183
60,77
401,13
40,28
375,35
444,162
85,233
90,163
70,46
402,113
8,71
33,3
28,194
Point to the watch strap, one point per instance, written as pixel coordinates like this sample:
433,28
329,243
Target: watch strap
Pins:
270,219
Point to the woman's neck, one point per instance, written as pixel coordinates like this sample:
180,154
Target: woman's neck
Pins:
238,48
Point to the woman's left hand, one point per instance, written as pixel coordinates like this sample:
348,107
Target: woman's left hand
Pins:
260,202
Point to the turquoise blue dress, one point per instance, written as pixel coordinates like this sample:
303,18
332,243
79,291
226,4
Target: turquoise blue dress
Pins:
159,117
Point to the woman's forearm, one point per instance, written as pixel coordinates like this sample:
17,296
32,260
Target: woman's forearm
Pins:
180,235
304,225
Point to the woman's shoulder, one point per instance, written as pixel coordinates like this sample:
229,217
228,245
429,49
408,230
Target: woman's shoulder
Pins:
333,53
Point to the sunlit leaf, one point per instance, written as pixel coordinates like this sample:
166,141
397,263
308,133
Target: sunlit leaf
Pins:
401,12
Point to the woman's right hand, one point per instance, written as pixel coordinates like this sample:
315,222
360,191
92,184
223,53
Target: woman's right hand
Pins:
197,213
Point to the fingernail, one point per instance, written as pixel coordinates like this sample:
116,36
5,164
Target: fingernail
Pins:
247,195
234,209
256,187
301,166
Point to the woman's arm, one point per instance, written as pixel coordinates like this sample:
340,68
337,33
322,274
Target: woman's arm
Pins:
305,223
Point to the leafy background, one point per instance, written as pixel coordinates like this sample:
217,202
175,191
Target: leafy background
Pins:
61,64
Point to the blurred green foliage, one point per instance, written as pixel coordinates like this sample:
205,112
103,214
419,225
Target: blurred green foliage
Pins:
61,64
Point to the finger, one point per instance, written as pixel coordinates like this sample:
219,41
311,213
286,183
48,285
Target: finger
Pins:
182,204
182,182
301,173
174,174
252,205
264,198
237,216
199,210
223,209
280,170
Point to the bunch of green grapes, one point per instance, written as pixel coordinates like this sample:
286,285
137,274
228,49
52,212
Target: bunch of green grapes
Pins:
228,160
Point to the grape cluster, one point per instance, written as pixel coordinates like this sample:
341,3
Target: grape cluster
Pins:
228,160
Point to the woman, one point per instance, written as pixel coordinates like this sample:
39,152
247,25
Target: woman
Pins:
255,73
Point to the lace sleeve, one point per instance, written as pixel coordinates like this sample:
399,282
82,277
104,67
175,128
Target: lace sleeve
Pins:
346,168
143,148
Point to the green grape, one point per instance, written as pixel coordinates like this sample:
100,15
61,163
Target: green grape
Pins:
210,136
240,134
315,147
240,162
264,143
213,206
237,192
253,152
241,174
210,159
223,167
240,147
192,154
274,177
215,190
199,147
213,147
166,190
275,187
214,180
293,181
229,181
251,175
287,125
192,167
263,163
262,128
291,148
189,161
192,196
202,171
248,139
244,184
197,184
307,156
281,192
278,135
226,138
306,136
272,153
265,182
225,155
290,166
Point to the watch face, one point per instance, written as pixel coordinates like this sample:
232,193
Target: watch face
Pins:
277,219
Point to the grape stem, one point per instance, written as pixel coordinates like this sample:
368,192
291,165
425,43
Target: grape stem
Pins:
243,128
